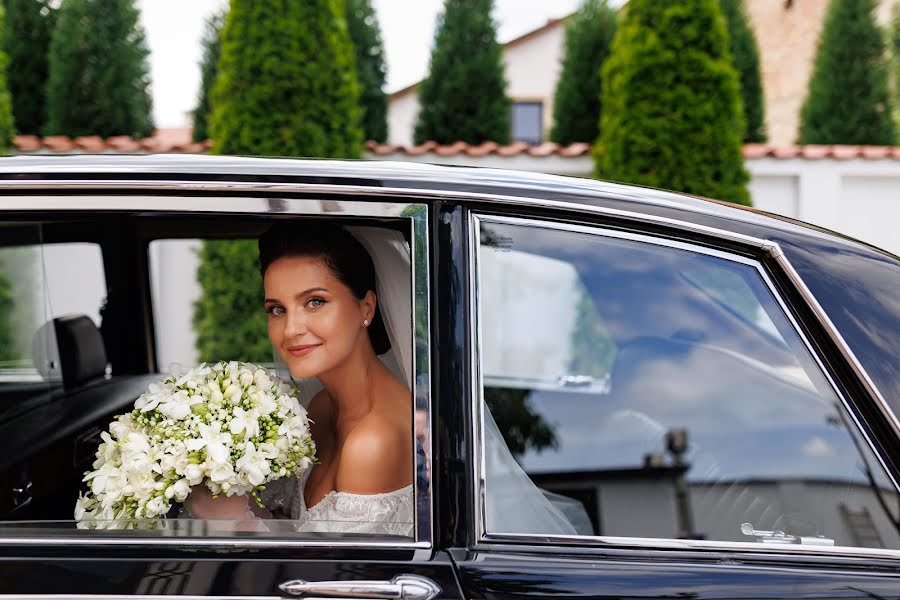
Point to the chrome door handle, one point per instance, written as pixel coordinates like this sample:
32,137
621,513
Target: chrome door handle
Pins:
401,587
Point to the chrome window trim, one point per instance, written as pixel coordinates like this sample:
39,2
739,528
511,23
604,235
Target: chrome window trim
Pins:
415,213
120,596
482,536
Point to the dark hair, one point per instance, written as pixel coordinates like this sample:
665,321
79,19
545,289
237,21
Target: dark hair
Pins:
347,259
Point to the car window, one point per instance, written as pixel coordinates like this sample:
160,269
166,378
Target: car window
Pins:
650,390
48,449
38,283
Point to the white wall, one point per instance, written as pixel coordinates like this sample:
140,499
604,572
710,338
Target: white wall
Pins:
855,197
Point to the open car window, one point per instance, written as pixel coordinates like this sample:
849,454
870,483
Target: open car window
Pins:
133,297
647,389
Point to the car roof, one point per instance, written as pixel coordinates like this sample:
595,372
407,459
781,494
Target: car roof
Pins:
384,175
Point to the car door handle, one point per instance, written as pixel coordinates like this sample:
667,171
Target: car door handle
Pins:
401,587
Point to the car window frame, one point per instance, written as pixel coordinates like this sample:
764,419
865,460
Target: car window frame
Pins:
483,538
255,199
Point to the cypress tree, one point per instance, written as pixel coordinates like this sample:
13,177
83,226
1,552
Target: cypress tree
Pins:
98,71
745,55
578,99
672,113
286,85
370,68
212,47
848,101
7,128
26,41
894,77
464,96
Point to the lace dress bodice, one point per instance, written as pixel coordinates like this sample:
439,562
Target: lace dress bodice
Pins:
390,513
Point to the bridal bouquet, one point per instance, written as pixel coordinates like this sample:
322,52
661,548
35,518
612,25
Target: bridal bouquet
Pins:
232,425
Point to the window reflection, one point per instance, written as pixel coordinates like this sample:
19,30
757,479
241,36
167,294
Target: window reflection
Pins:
667,394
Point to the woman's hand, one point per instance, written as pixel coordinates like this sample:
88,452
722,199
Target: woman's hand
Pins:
201,505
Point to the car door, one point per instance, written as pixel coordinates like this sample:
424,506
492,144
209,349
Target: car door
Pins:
650,419
41,557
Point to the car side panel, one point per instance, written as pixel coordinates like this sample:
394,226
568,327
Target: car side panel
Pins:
177,572
494,576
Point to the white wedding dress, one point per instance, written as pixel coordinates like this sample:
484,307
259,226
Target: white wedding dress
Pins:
390,513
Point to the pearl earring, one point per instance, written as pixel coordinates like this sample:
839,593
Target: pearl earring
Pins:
365,323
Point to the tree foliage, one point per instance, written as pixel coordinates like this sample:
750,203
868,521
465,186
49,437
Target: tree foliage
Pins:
464,96
228,317
579,92
745,55
98,82
26,41
370,68
7,343
212,47
847,101
7,129
286,84
672,113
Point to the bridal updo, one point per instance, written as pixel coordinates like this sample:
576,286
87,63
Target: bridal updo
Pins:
342,253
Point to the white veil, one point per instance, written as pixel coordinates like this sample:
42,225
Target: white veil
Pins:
513,503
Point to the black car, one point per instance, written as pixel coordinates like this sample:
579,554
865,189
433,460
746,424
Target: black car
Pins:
621,392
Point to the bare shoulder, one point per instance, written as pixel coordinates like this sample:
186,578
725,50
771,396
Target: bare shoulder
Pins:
376,457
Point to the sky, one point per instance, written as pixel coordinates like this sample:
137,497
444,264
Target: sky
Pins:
174,29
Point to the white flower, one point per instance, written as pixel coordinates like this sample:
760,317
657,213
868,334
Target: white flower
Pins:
261,379
247,421
143,465
254,464
246,379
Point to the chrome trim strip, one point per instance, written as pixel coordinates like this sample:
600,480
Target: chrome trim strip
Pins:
478,465
604,542
479,527
113,203
195,542
421,268
860,371
120,596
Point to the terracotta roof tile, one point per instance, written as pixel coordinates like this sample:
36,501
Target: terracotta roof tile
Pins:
513,149
452,149
177,141
59,143
574,150
545,149
27,143
123,143
875,152
90,143
482,149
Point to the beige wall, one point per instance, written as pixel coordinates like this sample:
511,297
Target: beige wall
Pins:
532,68
787,40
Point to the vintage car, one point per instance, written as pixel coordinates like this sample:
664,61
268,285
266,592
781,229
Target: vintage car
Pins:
620,392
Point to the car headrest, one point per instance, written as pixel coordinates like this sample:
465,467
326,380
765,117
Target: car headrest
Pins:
78,346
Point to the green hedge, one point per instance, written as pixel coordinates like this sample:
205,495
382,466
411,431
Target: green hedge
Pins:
672,114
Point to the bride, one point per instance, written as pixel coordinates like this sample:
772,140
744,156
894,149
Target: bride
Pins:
324,322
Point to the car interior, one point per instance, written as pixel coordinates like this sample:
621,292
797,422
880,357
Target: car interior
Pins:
75,374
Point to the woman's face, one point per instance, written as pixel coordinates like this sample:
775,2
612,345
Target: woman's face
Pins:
315,321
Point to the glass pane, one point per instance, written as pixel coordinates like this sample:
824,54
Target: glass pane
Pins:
649,391
527,125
